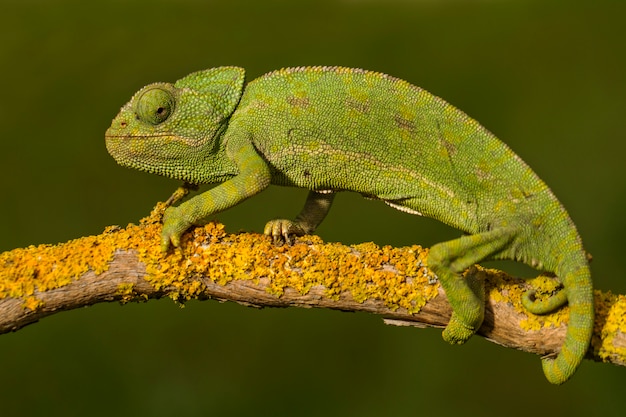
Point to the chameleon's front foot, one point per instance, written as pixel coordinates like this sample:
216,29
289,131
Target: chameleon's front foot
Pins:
174,225
282,230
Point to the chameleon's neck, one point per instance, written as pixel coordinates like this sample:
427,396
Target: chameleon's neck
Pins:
208,162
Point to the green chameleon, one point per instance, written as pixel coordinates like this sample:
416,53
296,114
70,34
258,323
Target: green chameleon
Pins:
330,129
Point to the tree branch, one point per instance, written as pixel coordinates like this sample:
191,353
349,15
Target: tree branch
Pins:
126,265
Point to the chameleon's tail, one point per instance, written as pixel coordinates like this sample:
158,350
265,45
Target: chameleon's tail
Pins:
576,279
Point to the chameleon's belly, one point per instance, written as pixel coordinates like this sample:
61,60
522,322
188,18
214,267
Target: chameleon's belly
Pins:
318,166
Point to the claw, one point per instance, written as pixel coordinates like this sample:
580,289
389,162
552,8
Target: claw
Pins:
180,193
282,230
174,225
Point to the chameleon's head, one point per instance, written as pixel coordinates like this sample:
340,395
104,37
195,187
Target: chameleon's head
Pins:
175,129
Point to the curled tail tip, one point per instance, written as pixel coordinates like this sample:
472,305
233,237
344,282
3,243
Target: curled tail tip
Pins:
535,306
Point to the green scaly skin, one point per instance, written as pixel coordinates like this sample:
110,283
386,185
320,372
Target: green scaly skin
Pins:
330,129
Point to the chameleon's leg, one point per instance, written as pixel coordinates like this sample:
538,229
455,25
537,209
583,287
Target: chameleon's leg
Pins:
254,176
316,207
465,294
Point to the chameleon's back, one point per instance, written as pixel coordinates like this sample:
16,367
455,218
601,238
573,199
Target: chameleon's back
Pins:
437,160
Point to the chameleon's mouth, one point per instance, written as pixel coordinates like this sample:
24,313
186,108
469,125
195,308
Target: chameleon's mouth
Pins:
136,136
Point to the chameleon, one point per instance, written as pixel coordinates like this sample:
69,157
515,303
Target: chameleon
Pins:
331,129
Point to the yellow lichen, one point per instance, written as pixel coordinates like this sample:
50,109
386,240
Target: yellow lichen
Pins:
126,292
32,303
45,267
610,324
365,271
397,277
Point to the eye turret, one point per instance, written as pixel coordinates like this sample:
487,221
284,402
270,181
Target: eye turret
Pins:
155,105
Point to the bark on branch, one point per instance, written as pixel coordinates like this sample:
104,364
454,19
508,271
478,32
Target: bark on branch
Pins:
126,265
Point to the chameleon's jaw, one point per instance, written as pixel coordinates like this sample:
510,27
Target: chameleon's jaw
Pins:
141,152
164,155
122,150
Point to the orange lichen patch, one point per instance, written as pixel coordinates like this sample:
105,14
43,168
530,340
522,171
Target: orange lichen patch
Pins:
610,324
501,288
32,303
126,293
45,267
395,276
364,271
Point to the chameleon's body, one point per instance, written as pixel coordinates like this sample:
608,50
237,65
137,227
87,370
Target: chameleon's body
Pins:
332,129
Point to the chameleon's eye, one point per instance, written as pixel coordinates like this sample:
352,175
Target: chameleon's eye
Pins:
155,105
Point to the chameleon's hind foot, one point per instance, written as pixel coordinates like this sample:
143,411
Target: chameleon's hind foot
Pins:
469,309
465,292
457,332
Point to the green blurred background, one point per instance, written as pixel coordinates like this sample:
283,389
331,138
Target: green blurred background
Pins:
548,77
